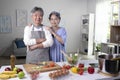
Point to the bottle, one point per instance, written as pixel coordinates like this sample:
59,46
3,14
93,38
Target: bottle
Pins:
12,61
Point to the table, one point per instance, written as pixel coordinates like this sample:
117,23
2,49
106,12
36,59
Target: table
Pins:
71,76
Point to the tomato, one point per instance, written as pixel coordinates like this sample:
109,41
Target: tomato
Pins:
81,65
91,70
81,71
51,64
46,66
66,66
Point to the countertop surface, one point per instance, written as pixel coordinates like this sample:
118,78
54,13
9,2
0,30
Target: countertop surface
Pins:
70,76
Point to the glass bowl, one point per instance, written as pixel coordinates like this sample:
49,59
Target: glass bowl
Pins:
73,59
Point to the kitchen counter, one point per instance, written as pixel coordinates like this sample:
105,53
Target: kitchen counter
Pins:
70,76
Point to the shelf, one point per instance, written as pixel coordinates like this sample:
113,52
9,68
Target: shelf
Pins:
115,25
87,33
86,25
115,12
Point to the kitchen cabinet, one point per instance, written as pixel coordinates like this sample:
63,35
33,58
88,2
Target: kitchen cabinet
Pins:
114,45
115,37
115,34
110,48
87,33
115,12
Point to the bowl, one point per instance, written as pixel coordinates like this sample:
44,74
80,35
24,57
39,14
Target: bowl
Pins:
73,59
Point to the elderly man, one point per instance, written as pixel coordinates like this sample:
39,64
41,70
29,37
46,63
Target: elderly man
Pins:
37,38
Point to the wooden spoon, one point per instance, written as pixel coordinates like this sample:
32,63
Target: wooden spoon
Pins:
69,58
115,59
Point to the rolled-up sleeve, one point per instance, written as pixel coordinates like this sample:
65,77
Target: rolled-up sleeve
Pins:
27,34
49,39
63,35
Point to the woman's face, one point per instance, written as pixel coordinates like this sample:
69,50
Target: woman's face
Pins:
37,17
54,20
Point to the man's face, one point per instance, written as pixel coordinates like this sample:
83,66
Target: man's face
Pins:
37,17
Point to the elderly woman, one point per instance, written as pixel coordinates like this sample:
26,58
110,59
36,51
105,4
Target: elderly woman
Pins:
59,37
37,38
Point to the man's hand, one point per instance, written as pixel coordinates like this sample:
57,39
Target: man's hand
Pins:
40,40
30,24
49,29
36,46
33,47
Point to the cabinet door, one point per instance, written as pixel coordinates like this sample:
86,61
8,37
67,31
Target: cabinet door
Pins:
115,34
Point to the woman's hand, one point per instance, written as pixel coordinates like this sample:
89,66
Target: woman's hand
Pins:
49,29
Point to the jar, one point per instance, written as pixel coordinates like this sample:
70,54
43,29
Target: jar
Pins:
12,61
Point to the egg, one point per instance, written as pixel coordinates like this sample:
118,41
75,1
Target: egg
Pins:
67,72
59,73
56,74
53,76
50,75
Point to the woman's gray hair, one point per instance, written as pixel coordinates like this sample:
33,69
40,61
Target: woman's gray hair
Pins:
57,14
37,9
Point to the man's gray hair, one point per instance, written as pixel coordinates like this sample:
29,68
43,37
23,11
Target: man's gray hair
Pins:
37,9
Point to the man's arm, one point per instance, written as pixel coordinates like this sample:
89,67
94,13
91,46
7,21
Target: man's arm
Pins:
27,37
28,41
36,46
40,40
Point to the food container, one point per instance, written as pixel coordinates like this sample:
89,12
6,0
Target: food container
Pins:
109,63
73,59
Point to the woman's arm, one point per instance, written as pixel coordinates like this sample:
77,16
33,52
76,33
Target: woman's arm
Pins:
61,38
58,38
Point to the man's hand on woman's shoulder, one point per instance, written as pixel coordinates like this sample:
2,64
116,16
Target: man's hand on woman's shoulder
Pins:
30,24
49,29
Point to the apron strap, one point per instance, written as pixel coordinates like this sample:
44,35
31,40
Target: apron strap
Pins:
33,28
40,27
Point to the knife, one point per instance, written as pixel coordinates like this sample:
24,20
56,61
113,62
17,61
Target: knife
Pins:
39,64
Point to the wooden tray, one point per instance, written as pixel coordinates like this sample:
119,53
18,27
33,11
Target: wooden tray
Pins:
34,67
108,74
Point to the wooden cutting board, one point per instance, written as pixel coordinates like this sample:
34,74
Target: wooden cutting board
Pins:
108,74
34,67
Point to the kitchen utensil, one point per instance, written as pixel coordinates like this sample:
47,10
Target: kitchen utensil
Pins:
34,67
115,59
69,58
109,64
72,59
39,64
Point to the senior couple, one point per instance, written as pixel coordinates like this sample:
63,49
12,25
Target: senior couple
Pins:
44,43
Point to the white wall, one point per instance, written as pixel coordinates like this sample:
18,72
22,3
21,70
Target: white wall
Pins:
71,11
103,10
91,6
